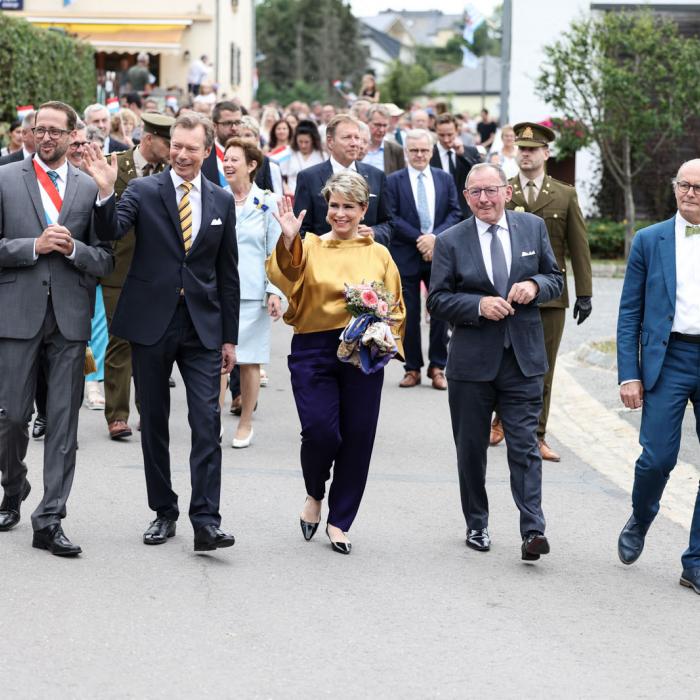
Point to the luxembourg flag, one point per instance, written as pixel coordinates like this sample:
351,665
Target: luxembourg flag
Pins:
220,165
24,110
113,105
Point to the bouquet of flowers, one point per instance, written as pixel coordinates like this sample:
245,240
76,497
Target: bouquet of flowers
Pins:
367,341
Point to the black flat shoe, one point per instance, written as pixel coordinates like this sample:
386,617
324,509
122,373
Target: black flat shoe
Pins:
159,531
308,529
39,427
631,541
534,545
340,547
10,508
54,540
479,540
210,537
690,578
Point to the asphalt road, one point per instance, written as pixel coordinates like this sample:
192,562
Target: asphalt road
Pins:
412,613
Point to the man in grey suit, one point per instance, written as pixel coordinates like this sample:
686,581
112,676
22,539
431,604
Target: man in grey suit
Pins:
489,275
49,259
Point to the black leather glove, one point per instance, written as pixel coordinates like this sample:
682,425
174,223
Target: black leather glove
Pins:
582,309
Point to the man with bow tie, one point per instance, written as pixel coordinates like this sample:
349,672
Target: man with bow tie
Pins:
179,303
658,359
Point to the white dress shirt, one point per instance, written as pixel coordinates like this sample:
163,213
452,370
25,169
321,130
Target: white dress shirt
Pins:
686,318
338,168
429,191
62,172
195,199
442,151
482,229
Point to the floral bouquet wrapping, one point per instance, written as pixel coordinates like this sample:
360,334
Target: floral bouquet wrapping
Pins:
367,341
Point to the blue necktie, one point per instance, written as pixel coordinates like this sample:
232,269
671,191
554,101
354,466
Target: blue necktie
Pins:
499,270
423,208
54,178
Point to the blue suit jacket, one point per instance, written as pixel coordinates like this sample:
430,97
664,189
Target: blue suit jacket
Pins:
159,269
405,221
308,196
647,304
459,280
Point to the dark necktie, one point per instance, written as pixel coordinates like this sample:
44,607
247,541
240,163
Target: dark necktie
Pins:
499,270
451,162
54,178
147,169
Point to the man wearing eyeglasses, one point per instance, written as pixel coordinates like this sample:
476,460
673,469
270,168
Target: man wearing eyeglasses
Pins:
49,261
227,117
490,274
423,204
658,359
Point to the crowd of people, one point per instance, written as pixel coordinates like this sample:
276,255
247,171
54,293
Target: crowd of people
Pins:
158,236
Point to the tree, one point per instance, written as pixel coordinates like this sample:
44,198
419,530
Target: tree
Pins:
307,43
402,83
632,82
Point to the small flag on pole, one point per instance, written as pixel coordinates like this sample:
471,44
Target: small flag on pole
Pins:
113,105
473,19
24,110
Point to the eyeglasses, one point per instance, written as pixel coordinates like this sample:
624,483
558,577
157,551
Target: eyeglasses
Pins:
475,192
228,125
421,151
39,132
77,144
684,187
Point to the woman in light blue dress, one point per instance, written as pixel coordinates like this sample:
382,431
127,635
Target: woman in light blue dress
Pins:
261,302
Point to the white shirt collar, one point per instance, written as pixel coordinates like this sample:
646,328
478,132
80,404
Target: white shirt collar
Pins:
62,170
196,182
337,167
442,150
415,173
482,227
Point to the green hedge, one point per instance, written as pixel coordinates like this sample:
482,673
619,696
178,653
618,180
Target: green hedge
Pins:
607,238
38,65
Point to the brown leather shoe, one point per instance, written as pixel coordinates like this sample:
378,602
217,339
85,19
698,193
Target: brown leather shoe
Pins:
497,434
236,405
548,453
119,429
438,377
411,378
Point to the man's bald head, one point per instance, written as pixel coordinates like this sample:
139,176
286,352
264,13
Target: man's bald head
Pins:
688,201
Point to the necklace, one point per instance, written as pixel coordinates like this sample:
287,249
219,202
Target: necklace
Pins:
242,200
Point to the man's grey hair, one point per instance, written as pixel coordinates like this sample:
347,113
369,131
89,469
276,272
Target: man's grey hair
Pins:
417,135
493,166
191,120
250,123
90,109
364,130
80,124
692,161
378,109
93,134
29,120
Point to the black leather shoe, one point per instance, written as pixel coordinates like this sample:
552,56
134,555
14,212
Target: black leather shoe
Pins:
39,427
159,531
308,529
534,544
690,578
631,541
340,547
10,508
479,540
53,539
210,537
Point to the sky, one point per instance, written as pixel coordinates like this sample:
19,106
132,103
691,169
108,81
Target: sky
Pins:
368,8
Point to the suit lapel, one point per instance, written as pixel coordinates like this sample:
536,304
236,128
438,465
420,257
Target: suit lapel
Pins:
69,196
473,250
516,248
408,195
33,188
440,198
207,208
544,197
667,251
167,194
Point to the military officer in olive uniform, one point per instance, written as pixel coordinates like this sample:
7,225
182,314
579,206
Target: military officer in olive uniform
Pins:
148,158
556,202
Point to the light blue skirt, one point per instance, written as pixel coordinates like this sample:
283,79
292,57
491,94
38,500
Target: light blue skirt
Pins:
253,333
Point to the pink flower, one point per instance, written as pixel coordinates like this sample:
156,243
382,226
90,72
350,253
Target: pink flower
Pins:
369,298
382,308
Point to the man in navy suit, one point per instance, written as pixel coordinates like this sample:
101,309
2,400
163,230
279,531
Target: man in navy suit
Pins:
423,204
179,303
490,272
343,140
658,355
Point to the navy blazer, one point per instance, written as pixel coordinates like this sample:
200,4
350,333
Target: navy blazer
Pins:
311,181
160,269
459,280
116,146
404,216
647,304
15,157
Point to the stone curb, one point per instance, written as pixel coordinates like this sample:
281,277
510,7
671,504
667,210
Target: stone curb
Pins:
590,355
602,269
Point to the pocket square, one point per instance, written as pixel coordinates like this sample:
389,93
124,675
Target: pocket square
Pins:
524,254
372,195
215,222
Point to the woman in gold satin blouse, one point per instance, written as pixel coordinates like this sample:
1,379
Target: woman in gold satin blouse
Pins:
338,405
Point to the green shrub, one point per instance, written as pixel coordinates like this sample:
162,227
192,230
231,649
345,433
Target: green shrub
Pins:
38,65
607,238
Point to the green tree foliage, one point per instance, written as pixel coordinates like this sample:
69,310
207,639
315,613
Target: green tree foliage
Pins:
402,83
38,65
632,81
307,43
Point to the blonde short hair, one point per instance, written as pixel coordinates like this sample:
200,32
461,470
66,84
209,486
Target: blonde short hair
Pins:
348,184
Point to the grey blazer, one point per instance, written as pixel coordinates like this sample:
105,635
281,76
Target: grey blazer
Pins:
24,281
458,280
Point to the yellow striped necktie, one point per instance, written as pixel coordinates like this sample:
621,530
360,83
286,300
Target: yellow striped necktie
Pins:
185,213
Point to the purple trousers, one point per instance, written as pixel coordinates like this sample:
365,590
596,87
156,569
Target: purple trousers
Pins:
338,408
